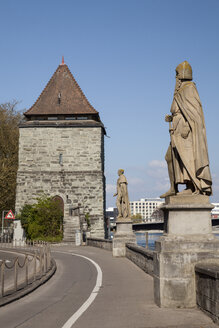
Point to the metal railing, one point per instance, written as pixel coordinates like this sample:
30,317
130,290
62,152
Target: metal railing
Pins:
33,263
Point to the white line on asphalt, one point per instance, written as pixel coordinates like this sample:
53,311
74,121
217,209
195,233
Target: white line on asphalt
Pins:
92,296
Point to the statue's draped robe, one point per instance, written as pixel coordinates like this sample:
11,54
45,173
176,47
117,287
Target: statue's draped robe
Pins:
123,198
188,139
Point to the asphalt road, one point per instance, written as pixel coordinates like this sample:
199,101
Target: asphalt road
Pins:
52,304
125,299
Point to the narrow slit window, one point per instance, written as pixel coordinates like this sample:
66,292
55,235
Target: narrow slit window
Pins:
60,159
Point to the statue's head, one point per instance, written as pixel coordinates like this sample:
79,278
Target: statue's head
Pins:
120,171
184,71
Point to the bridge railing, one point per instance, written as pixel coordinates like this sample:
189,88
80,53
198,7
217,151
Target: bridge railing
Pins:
32,263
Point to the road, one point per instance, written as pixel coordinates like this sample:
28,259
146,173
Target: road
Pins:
125,299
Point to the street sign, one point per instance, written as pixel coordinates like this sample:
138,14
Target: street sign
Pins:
10,215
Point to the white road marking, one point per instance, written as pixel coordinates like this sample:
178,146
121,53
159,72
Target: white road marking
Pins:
92,296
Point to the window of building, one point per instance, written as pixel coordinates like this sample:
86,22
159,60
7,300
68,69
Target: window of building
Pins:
52,118
82,117
60,159
70,118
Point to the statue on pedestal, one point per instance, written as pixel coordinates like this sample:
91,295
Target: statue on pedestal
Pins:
122,201
187,155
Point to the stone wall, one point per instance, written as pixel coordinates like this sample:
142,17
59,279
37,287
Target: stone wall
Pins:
101,243
207,289
66,162
142,257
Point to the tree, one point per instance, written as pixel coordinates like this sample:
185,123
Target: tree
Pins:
9,137
43,219
137,218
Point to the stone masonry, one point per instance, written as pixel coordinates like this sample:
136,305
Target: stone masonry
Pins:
78,179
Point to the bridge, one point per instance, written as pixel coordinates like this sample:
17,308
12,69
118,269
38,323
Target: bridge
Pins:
160,225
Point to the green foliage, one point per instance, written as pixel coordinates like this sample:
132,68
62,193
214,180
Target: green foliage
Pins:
43,219
137,218
87,218
9,136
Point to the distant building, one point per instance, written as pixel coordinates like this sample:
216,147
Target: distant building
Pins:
146,207
215,211
111,214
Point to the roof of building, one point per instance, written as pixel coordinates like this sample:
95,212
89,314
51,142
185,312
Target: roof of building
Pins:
62,95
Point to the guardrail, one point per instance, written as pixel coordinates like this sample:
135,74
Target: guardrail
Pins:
28,272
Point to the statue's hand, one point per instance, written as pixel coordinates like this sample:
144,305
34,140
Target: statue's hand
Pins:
168,118
185,131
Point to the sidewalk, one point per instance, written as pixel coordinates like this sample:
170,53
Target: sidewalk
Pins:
126,298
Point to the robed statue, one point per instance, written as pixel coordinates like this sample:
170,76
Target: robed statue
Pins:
122,201
187,155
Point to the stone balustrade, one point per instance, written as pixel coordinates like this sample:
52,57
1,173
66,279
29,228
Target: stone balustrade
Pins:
207,289
142,257
100,242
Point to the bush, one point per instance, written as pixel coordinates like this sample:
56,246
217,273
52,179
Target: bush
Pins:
42,220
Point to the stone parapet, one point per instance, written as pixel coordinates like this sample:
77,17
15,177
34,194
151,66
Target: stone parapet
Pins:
100,243
142,257
207,288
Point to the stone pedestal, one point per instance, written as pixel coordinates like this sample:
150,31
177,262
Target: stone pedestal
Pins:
124,234
187,240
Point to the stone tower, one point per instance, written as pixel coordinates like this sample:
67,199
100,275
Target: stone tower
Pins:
61,153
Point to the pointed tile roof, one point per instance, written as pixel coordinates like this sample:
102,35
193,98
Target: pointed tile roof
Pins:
62,96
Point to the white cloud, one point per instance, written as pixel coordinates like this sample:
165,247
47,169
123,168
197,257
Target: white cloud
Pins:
135,181
156,163
110,188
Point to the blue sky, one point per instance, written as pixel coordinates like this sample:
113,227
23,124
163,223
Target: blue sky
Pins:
123,54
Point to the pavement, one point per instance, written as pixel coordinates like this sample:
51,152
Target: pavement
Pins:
125,299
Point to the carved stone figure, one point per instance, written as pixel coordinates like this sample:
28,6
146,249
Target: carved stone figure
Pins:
187,155
122,201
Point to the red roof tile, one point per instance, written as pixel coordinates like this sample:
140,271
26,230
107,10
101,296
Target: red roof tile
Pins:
62,95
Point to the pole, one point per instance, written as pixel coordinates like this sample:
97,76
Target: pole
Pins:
146,239
2,222
2,277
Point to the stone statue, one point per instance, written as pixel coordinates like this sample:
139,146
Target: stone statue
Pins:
187,155
122,201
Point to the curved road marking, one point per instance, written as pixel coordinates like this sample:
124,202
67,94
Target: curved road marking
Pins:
92,296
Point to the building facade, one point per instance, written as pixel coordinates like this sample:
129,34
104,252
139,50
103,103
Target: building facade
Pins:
61,154
146,207
215,211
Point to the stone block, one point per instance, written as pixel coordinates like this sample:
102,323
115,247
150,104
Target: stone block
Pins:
124,234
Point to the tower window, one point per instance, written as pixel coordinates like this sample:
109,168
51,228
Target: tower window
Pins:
59,98
60,159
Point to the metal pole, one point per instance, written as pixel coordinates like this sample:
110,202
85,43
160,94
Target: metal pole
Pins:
2,277
26,267
41,263
2,222
35,258
15,273
146,239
